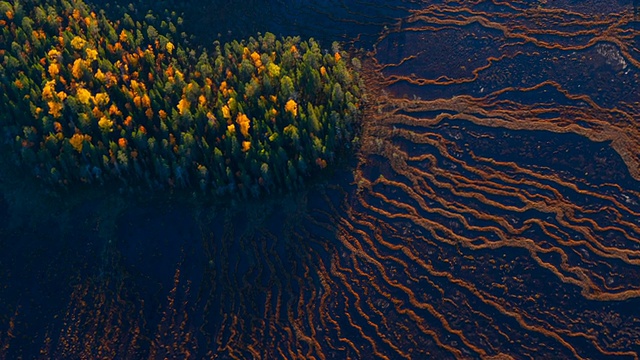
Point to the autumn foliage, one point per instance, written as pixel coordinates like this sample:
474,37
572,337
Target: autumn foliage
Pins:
85,99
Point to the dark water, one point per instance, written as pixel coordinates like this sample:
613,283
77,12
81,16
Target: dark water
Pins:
492,211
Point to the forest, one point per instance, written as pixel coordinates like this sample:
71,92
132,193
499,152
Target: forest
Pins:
88,100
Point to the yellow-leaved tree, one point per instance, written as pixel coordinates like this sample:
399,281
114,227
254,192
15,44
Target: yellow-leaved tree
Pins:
83,95
77,140
244,122
183,106
292,107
